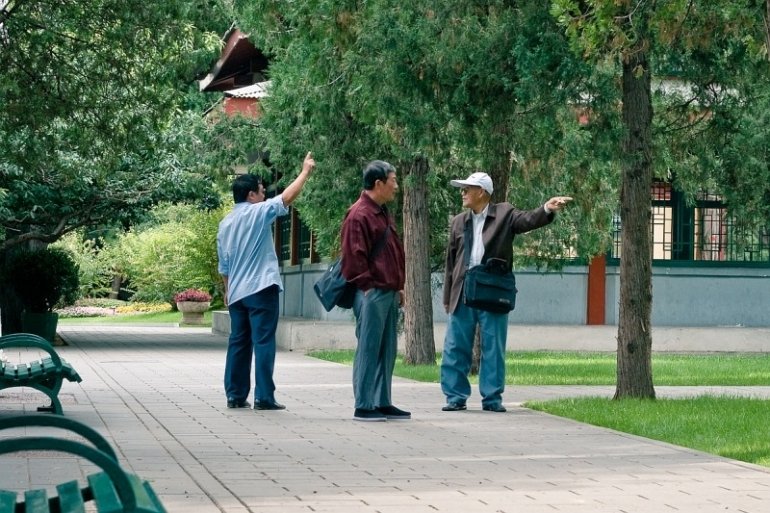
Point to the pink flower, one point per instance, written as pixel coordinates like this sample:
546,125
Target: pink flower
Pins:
196,295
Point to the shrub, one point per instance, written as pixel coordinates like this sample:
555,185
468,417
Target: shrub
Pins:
162,259
95,270
42,278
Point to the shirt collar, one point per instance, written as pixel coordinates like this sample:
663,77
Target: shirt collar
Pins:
482,214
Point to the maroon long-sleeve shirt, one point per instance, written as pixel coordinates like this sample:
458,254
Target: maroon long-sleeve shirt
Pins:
363,227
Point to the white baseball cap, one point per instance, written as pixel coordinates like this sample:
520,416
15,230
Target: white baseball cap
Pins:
476,179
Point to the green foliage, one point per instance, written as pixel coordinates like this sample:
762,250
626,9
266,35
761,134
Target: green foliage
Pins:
466,85
90,92
95,272
711,89
42,278
177,251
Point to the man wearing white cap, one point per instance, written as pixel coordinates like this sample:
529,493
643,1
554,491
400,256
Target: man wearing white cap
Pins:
487,229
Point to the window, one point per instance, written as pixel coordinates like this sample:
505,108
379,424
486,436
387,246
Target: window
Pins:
284,238
705,232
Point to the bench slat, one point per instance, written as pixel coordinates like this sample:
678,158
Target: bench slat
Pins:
46,374
36,501
157,505
105,496
7,501
70,498
146,500
35,368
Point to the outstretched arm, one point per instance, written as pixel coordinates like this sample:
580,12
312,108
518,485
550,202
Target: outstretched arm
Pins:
291,192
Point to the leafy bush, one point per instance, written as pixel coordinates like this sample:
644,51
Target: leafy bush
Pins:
101,302
177,254
95,270
42,278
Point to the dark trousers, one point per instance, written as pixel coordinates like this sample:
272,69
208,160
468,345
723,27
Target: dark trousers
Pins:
376,316
253,321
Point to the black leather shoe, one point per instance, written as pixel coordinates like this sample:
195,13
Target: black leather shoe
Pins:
454,407
393,413
233,403
267,405
499,408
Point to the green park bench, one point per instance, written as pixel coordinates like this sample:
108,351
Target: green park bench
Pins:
110,490
45,374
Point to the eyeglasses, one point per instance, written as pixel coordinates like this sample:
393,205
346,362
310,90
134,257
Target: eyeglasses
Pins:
466,190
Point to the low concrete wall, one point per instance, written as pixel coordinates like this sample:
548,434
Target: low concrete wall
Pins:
303,335
696,296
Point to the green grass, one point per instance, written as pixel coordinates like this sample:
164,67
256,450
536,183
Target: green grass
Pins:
572,368
138,319
728,426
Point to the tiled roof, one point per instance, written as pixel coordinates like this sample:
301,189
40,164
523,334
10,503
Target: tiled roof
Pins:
253,91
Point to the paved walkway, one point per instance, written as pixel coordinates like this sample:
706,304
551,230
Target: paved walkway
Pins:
156,394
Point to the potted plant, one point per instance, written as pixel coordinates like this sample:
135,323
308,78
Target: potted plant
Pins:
42,279
192,303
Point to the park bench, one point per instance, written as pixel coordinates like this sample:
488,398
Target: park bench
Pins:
110,490
45,374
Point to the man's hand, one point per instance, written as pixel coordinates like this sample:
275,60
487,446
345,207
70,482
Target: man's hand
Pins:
309,163
557,203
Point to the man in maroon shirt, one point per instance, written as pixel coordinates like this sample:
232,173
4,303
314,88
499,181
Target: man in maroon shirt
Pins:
373,260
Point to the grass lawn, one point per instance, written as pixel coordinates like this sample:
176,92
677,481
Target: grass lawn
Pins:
572,368
728,426
137,319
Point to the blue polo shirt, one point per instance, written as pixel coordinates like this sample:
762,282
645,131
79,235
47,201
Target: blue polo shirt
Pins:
246,250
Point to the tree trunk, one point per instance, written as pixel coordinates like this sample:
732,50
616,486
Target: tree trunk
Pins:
10,306
500,173
420,347
767,26
634,359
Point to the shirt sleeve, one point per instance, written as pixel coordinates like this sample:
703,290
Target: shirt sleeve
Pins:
275,206
223,256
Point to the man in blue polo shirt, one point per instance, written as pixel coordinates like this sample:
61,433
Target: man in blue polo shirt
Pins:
249,268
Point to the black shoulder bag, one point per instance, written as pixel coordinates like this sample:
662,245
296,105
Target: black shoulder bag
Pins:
490,286
333,289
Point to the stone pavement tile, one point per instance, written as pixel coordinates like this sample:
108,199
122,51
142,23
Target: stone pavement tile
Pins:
158,397
198,503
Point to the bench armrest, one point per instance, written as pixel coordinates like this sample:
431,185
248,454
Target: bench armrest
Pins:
88,433
117,475
32,341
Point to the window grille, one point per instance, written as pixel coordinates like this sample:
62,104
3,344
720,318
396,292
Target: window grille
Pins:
304,240
284,226
705,232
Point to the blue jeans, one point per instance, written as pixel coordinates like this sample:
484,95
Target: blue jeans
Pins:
253,321
376,315
458,352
